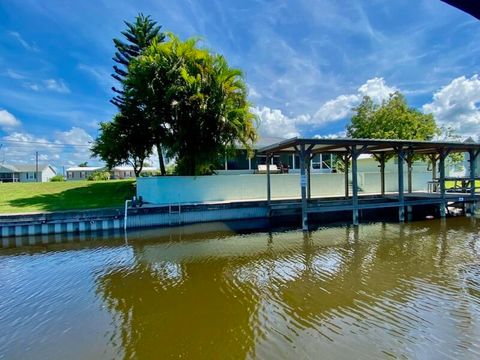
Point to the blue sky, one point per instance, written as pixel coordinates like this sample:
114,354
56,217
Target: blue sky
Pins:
306,63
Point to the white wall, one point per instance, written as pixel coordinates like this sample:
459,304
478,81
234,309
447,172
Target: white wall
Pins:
191,189
47,174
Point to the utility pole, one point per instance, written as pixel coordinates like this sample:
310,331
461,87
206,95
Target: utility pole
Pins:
36,166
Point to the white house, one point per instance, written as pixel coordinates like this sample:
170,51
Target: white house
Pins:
118,172
126,172
81,172
26,172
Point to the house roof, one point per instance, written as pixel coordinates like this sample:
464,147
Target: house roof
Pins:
24,167
84,168
130,168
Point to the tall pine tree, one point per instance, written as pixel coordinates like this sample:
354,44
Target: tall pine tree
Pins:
139,35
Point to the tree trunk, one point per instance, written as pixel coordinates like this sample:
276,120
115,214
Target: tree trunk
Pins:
137,167
160,159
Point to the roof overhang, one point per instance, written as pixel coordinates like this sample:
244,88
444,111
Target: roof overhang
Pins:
367,146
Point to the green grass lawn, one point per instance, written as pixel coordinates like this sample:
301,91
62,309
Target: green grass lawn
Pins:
451,185
58,196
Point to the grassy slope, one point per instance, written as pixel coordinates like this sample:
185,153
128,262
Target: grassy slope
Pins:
57,196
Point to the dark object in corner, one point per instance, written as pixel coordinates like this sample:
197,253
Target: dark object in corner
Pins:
471,7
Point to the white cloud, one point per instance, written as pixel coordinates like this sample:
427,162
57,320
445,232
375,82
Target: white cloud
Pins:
341,107
20,147
8,121
336,109
376,89
252,93
32,86
14,74
22,41
75,135
56,85
456,105
273,123
340,134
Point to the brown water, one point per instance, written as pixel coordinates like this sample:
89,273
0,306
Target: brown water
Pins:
379,291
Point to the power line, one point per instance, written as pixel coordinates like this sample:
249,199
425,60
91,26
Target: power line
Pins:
46,143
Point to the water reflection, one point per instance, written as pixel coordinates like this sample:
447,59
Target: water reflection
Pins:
400,290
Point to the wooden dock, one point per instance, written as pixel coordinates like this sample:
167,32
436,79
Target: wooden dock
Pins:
349,150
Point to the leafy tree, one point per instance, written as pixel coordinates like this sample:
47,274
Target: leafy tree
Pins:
195,101
139,36
393,119
83,164
447,133
122,141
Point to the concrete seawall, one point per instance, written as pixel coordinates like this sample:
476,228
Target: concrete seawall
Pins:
84,221
60,222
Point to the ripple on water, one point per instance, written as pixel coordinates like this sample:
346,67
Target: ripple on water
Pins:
376,291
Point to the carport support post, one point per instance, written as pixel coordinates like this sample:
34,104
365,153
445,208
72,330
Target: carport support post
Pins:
309,177
443,155
303,187
401,196
382,173
345,162
381,159
409,159
472,159
354,184
269,185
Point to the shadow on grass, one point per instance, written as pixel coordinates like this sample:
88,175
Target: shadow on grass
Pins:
106,194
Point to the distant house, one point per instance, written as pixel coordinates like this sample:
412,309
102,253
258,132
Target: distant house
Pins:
118,172
125,172
81,172
239,163
26,173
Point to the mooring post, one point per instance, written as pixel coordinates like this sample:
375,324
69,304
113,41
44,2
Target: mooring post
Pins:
443,204
401,195
354,184
472,159
269,188
303,187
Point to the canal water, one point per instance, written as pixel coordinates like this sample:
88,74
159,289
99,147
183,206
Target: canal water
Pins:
213,291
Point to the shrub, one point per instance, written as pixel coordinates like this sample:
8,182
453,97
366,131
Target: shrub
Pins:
150,173
57,178
99,176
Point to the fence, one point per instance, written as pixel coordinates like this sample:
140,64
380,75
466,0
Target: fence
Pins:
200,189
